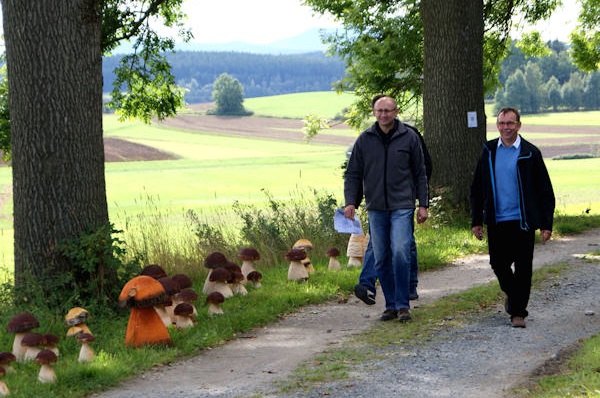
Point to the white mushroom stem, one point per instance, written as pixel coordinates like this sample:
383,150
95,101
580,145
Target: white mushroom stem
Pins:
183,322
223,288
86,353
47,374
3,389
215,309
297,271
308,264
164,315
207,288
334,264
239,288
18,350
247,267
31,353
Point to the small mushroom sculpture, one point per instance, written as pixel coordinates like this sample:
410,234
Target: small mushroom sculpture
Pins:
214,301
145,327
357,245
46,358
237,279
76,319
33,343
50,341
254,278
4,391
182,280
307,245
184,316
86,352
20,325
334,263
219,278
296,270
212,261
165,310
187,295
249,256
6,361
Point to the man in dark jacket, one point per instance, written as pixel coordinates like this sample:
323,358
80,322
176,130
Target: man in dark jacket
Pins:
387,164
512,194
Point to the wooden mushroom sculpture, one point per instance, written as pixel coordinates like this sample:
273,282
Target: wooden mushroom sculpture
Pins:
307,245
6,361
182,280
219,278
249,256
214,301
145,327
333,254
296,270
184,316
212,261
4,391
187,295
236,279
254,278
46,358
76,319
86,352
165,310
357,244
50,342
20,325
33,343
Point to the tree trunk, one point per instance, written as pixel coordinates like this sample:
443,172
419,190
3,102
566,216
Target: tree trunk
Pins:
452,89
55,86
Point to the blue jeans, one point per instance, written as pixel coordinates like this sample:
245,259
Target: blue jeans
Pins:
391,240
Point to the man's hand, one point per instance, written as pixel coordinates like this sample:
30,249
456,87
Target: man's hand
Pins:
350,212
478,231
422,214
545,235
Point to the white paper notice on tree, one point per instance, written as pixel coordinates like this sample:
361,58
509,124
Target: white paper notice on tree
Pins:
345,225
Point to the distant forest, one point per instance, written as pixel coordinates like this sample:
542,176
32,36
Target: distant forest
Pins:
260,74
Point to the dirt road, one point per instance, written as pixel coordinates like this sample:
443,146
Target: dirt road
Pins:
252,363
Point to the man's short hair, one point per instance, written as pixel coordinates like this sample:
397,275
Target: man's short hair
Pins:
507,109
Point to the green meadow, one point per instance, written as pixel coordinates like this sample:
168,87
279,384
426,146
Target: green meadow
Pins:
213,171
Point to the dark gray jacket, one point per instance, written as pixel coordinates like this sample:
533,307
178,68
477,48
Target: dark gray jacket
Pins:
392,176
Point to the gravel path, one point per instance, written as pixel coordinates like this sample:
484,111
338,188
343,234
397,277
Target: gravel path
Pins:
485,357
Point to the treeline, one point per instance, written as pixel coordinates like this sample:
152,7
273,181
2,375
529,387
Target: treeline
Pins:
260,74
549,83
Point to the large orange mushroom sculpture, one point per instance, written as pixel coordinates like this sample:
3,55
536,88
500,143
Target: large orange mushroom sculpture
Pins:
145,327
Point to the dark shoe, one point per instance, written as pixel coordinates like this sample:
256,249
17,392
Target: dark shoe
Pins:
388,315
517,322
413,295
404,315
364,294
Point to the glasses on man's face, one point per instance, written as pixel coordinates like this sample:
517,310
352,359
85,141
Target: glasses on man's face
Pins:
507,124
381,111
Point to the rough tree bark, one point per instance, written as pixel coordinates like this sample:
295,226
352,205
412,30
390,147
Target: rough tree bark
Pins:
453,87
54,66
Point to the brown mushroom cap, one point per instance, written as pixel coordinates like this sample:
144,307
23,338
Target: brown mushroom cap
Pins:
215,260
219,274
142,291
249,254
22,323
187,295
303,243
215,298
76,316
182,280
45,357
296,255
154,270
7,357
85,337
32,340
333,252
183,309
254,276
232,267
236,277
171,287
50,339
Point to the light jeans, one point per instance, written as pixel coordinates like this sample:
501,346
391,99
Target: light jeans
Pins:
392,234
